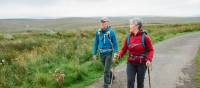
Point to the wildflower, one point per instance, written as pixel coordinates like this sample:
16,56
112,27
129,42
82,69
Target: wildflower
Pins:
3,61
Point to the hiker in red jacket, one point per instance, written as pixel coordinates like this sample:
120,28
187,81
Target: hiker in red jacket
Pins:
140,50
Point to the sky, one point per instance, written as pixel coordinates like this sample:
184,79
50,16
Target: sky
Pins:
93,8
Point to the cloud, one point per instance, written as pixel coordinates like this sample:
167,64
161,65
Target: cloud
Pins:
86,8
27,2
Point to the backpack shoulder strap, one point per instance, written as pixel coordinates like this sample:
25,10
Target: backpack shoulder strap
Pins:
109,38
143,43
99,31
108,33
143,38
128,39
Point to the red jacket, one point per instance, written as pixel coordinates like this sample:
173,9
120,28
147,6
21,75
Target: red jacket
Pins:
139,49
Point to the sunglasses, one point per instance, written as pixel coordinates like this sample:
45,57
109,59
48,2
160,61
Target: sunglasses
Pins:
103,21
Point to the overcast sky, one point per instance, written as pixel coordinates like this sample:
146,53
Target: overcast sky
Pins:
88,8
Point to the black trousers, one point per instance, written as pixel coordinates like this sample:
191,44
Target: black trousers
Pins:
106,60
138,69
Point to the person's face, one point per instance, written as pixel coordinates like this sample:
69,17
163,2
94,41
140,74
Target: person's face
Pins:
103,25
133,27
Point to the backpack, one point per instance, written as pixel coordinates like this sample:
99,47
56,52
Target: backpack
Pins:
108,33
109,38
143,39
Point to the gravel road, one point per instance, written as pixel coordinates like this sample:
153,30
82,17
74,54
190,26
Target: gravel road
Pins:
173,64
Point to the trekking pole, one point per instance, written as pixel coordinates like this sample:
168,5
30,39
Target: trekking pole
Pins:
113,72
112,78
149,76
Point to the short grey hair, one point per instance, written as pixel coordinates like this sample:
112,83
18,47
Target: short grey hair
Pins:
137,21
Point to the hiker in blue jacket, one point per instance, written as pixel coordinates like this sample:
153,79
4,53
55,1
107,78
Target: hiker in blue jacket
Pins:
106,42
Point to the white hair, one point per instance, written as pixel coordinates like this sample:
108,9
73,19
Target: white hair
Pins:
136,21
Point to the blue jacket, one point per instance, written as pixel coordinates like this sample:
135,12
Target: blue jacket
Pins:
103,40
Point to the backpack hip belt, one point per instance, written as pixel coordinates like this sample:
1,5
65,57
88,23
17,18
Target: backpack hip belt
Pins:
133,57
105,50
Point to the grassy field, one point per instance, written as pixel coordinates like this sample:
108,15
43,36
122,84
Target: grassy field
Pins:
74,23
198,70
63,59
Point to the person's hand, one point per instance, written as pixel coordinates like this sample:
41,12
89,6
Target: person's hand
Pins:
116,56
113,60
94,57
148,64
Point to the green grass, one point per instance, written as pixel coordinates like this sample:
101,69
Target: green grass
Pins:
40,59
198,70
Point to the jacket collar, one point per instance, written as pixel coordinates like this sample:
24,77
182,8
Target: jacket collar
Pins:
107,29
138,33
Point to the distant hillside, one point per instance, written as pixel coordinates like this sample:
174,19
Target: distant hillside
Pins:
20,25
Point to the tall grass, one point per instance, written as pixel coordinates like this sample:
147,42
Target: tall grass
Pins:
63,59
198,70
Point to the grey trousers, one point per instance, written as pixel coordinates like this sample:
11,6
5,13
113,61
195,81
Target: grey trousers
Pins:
106,60
132,70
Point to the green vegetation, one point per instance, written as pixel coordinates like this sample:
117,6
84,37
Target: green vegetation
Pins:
74,23
198,70
63,59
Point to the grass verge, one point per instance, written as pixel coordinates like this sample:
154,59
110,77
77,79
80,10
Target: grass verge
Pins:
63,59
198,70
